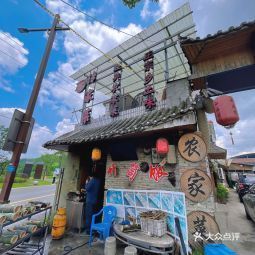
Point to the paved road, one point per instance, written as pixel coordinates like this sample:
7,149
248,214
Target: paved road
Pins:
41,193
232,219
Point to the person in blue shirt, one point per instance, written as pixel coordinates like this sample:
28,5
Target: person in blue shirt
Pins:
92,191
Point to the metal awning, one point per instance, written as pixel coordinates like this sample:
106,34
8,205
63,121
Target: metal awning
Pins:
162,38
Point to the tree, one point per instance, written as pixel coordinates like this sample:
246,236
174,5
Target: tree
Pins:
4,161
132,3
51,161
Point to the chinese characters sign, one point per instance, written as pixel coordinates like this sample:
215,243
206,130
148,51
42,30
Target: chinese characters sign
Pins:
157,172
88,95
192,147
196,185
112,170
132,171
149,99
201,224
82,85
116,89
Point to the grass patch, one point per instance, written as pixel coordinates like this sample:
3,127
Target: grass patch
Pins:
28,183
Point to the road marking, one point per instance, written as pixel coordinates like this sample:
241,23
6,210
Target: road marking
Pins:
31,198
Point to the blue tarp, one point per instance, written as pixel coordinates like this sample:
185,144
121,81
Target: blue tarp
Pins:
218,249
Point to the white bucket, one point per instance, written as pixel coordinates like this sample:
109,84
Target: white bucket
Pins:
110,246
130,250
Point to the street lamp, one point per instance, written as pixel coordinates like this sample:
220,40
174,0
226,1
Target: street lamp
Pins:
27,30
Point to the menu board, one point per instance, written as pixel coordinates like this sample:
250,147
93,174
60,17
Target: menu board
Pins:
133,202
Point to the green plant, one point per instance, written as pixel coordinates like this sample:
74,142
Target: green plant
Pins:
19,180
198,252
16,180
222,193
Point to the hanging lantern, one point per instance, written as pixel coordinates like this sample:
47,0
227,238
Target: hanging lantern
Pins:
162,146
225,111
96,154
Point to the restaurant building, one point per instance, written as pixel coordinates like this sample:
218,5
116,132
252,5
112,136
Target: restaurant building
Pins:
145,105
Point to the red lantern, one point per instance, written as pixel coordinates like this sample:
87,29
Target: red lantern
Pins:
162,146
225,111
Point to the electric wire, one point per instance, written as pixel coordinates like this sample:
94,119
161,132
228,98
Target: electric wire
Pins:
83,38
49,131
10,56
103,23
19,44
114,28
11,45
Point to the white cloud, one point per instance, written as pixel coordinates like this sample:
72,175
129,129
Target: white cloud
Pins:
164,8
13,56
6,115
40,134
58,91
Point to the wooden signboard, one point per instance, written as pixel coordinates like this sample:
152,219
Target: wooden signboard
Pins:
201,228
192,147
196,185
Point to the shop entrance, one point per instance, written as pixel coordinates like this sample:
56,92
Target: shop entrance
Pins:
89,168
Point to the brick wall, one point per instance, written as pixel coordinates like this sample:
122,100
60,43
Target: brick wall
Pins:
142,180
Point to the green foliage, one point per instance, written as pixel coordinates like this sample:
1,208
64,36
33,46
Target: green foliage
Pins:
222,193
3,155
16,180
3,135
132,3
51,161
198,252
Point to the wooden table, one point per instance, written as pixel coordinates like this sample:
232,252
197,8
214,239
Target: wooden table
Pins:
158,245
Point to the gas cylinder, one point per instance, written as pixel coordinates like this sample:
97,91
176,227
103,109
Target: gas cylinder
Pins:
225,111
59,224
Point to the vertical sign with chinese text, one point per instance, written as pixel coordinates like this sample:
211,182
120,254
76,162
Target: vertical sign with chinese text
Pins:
88,95
116,91
149,98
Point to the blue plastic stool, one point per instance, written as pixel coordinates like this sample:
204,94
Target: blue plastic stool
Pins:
218,249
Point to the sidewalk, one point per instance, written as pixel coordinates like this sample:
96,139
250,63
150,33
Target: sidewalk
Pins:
56,247
231,218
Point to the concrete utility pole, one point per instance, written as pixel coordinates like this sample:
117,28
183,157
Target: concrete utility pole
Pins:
22,134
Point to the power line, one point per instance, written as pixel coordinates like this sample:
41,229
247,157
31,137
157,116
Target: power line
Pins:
111,27
14,59
47,130
4,116
84,39
11,39
103,23
11,45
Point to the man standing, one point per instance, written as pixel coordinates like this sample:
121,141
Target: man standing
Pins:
92,191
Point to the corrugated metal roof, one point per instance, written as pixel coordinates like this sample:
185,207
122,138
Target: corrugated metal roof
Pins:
165,31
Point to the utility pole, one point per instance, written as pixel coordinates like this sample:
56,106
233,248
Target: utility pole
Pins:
22,133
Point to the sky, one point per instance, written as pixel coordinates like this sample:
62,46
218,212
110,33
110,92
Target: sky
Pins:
20,56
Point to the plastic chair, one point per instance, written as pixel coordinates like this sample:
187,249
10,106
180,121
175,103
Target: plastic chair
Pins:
103,228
